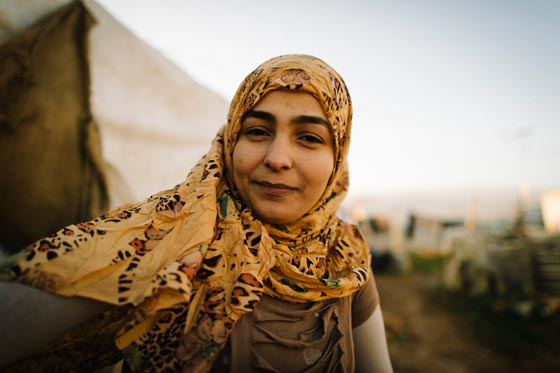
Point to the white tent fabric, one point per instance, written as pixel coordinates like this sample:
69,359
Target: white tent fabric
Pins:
156,121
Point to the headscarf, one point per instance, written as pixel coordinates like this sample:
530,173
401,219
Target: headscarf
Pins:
194,259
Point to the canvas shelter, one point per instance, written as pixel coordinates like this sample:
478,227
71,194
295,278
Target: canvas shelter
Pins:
90,117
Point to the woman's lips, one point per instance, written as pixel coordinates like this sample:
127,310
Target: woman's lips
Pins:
276,189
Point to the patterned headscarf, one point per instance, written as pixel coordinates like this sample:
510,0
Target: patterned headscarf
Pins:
193,259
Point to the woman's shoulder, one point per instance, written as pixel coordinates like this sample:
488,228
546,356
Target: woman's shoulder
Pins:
364,302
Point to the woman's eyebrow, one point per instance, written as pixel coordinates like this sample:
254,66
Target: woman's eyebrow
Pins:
300,119
310,119
259,115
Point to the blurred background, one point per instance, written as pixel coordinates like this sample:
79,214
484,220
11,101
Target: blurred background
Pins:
454,161
455,105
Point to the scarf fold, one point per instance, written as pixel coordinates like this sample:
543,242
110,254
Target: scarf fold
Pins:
193,259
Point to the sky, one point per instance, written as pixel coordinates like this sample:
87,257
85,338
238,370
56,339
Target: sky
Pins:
447,94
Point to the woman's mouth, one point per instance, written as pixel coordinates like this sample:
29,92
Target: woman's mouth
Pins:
276,189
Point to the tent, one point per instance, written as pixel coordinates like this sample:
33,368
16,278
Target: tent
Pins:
147,121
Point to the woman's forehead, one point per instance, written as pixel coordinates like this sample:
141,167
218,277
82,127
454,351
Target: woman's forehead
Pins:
289,99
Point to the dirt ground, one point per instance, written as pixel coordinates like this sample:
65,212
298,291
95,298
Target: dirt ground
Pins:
426,334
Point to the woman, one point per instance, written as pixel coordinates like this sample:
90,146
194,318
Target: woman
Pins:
244,266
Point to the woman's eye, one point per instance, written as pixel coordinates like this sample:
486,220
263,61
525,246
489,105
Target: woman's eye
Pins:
312,139
256,131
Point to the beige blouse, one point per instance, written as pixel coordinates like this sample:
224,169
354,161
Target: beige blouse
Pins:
307,337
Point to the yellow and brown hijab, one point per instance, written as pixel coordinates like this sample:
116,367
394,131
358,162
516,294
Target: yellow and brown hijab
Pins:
192,260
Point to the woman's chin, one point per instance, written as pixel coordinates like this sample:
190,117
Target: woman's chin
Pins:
276,217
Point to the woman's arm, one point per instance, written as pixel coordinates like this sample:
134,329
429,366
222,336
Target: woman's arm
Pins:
31,318
370,345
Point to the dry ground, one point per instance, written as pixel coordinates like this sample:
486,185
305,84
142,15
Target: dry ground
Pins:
428,334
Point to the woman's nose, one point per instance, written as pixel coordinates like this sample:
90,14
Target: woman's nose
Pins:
278,155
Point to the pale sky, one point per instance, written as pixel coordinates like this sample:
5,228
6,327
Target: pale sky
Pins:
447,94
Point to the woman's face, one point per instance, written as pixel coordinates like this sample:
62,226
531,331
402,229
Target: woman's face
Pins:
284,156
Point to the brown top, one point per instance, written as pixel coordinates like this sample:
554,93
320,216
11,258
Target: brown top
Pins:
306,337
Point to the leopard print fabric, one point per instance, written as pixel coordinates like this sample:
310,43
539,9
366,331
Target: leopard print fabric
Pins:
193,259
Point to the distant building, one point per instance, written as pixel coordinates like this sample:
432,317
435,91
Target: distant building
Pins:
550,206
428,234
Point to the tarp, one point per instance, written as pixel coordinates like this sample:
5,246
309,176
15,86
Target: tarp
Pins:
154,121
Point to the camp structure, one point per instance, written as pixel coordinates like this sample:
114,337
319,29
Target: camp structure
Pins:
90,117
